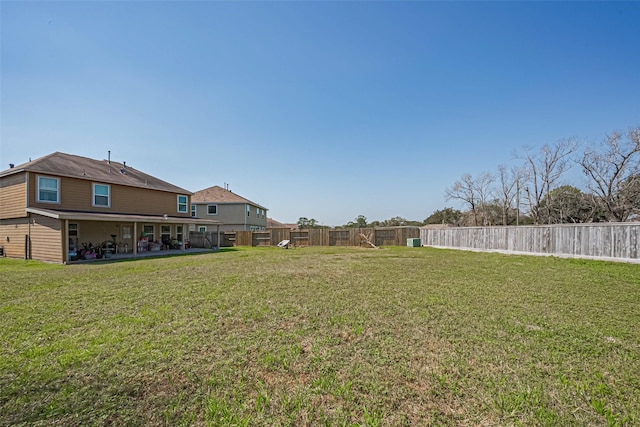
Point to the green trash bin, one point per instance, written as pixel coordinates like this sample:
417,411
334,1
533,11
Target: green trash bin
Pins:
413,243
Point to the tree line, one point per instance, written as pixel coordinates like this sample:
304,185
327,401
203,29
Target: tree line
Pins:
534,191
360,222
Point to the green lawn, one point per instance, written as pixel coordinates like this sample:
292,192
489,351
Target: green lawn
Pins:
321,336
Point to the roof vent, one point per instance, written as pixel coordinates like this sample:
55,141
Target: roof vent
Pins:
11,166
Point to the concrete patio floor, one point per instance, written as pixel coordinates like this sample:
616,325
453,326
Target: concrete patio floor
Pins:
145,254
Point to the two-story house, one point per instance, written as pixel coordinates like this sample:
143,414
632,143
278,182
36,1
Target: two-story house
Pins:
234,212
51,206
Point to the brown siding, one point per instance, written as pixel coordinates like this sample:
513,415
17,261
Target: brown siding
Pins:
76,194
13,199
46,239
15,230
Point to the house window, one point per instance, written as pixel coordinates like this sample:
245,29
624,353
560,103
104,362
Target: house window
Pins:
101,195
73,237
48,190
165,233
73,231
212,209
179,233
182,204
202,228
257,212
193,211
149,232
248,210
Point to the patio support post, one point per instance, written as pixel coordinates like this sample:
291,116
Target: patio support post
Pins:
65,243
135,239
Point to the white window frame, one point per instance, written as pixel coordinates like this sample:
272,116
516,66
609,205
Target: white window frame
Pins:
194,211
212,205
74,232
93,200
163,234
57,181
202,229
74,229
151,237
182,206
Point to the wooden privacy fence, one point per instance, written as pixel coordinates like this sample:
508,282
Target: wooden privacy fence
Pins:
208,239
617,241
391,236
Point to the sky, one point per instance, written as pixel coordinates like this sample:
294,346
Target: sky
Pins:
317,109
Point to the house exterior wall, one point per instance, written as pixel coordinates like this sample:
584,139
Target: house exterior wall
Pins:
233,216
13,200
46,239
77,194
12,236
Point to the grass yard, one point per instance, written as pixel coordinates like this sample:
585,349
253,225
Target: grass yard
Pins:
321,336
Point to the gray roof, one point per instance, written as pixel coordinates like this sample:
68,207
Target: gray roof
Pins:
217,194
72,166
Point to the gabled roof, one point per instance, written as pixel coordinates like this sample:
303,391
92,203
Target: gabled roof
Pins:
69,165
217,194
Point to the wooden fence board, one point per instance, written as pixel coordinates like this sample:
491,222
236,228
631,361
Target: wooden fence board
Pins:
602,240
388,236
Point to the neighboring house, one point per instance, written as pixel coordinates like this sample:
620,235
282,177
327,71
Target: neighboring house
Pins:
52,205
235,212
272,223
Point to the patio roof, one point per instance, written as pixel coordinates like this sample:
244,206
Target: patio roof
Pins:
94,216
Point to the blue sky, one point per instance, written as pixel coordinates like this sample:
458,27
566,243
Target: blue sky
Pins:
326,110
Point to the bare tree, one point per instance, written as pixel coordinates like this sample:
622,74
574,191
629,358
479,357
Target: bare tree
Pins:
473,192
507,190
544,170
613,172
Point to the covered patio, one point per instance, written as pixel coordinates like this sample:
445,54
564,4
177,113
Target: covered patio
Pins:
119,236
